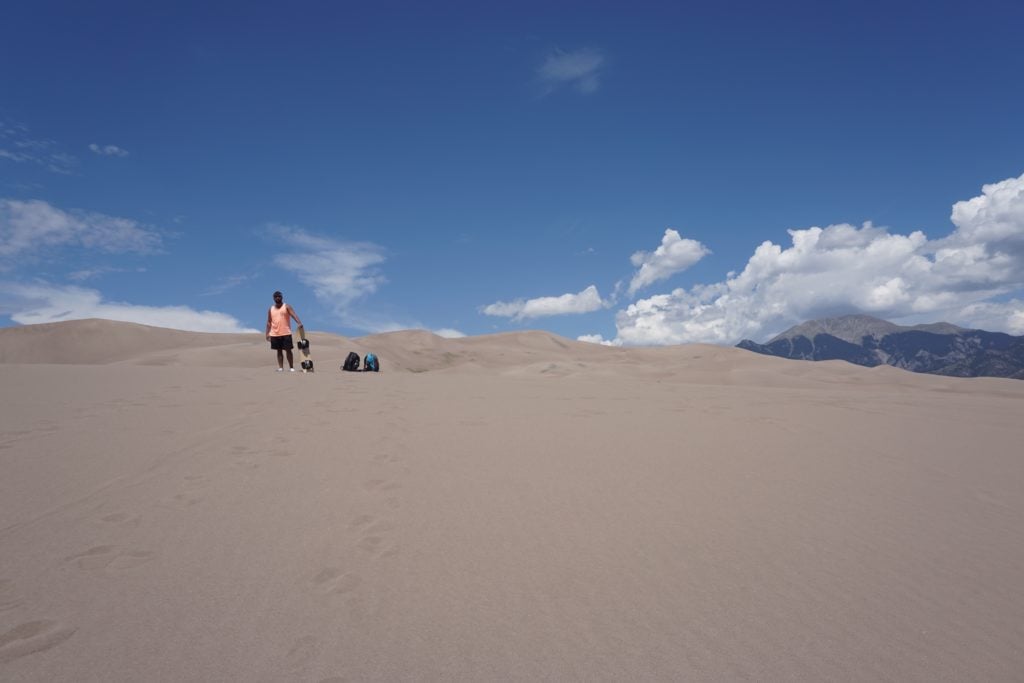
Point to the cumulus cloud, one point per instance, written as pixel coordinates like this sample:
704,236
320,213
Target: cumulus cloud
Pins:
27,227
18,145
844,268
578,70
583,302
338,272
674,255
598,339
108,150
1005,316
46,303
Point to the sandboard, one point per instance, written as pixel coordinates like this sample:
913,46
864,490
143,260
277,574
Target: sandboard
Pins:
303,344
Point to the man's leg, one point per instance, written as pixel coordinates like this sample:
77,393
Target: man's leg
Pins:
291,361
280,358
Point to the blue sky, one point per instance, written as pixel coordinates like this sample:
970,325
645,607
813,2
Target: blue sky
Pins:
647,175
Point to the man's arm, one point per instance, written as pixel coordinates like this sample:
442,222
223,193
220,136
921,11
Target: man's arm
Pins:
268,324
291,312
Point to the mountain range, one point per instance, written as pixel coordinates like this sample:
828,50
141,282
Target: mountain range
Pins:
936,348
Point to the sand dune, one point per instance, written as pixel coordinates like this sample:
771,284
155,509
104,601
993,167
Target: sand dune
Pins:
506,507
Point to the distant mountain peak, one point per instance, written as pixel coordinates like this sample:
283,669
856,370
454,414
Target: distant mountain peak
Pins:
937,348
853,328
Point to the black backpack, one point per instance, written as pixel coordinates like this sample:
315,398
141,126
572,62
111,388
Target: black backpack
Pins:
351,363
370,363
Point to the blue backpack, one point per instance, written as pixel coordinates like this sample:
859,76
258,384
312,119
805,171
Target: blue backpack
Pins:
370,363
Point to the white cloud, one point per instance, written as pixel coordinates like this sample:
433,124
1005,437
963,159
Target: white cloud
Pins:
91,273
584,302
995,217
843,269
598,339
337,272
45,303
108,150
449,333
1005,316
88,274
28,227
674,255
226,284
577,69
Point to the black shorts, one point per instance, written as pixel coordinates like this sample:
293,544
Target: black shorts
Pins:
282,343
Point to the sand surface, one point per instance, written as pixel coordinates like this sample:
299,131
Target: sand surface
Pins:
507,507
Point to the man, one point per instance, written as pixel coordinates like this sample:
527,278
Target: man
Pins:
279,330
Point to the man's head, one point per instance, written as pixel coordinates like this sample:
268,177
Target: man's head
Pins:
278,297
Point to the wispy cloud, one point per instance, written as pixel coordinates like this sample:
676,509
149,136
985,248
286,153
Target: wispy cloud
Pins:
27,227
43,302
92,273
108,150
583,302
972,277
579,70
18,145
338,272
226,284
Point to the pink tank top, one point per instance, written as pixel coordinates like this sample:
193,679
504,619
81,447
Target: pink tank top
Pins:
280,321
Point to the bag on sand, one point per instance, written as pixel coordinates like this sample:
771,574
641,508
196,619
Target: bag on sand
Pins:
370,363
351,363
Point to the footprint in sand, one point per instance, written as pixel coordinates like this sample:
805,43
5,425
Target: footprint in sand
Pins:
384,486
94,558
31,637
182,501
361,521
122,518
129,559
381,485
377,546
379,526
371,529
302,651
116,517
110,558
7,597
332,580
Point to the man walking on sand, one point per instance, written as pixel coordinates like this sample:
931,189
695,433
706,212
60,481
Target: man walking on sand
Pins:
279,330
